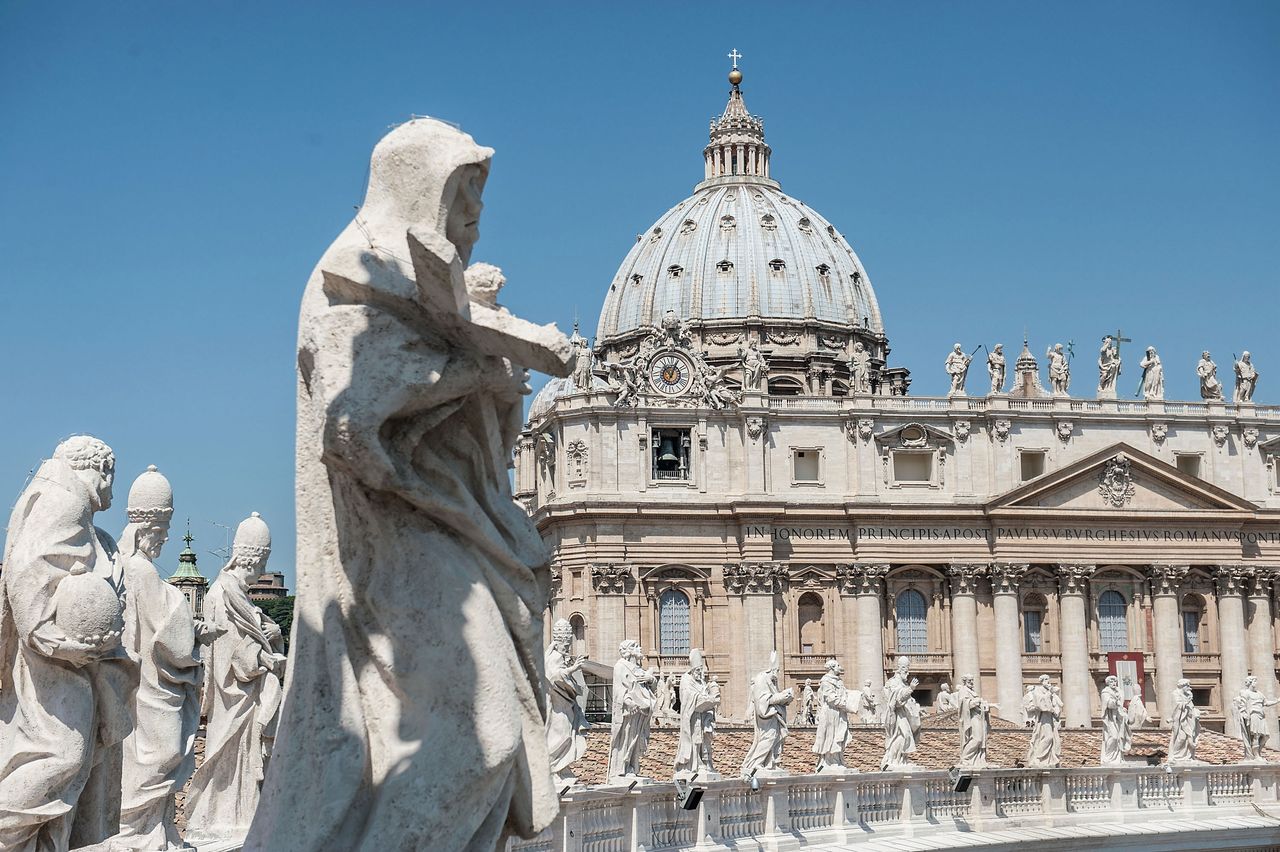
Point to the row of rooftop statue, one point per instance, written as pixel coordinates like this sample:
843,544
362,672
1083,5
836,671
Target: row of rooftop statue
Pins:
828,708
1150,383
105,672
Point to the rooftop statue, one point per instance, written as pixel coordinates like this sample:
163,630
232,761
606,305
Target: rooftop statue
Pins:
1117,731
1059,370
1210,387
65,678
996,368
755,367
699,700
1246,378
957,367
975,724
421,581
767,709
834,704
1043,706
1108,368
1152,384
1250,710
633,706
901,717
859,369
1184,725
244,667
565,689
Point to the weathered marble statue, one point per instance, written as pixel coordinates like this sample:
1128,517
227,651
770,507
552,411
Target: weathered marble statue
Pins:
1043,706
565,688
1210,387
1059,370
633,703
767,709
755,367
1152,386
661,690
1246,378
161,632
975,724
1137,707
834,704
808,704
698,702
1117,735
901,717
867,704
65,678
583,362
1184,725
996,368
946,699
1250,709
417,638
242,687
859,369
1108,368
624,380
957,367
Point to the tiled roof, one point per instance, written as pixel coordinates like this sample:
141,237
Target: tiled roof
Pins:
939,746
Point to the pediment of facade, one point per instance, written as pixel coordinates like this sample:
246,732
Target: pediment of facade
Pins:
1121,478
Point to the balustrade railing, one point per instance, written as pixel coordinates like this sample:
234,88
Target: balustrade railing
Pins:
837,809
919,662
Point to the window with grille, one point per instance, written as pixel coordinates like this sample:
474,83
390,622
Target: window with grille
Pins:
673,622
1190,631
1033,642
1113,630
913,637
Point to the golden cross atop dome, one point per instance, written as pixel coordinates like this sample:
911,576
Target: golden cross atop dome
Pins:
735,56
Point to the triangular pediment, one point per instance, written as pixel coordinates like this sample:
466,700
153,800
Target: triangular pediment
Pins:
1120,478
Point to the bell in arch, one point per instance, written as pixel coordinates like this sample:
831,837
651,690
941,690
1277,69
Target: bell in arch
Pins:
667,451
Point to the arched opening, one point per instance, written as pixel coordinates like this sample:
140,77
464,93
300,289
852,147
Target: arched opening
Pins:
809,611
673,623
579,625
785,386
1033,611
913,635
1113,627
1192,621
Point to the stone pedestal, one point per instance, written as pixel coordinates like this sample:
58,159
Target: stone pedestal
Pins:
1076,688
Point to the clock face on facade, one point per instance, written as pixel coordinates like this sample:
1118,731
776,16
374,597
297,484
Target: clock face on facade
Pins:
670,374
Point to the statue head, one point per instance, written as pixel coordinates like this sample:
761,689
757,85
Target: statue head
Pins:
904,666
1044,680
808,683
149,510
1245,356
1204,355
833,666
93,463
252,544
857,346
998,348
958,349
967,680
1151,350
562,635
629,649
1057,347
697,663
1251,682
1106,339
1184,685
946,687
1112,681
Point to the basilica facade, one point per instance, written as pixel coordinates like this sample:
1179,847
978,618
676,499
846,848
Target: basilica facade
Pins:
735,466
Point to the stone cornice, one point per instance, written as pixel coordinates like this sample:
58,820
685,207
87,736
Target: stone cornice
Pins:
754,578
1005,577
1167,579
861,578
612,579
964,577
1073,579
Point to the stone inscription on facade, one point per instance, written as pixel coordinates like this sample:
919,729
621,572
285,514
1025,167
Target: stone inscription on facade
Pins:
1076,534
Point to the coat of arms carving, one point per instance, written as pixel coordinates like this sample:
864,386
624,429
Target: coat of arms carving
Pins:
1116,482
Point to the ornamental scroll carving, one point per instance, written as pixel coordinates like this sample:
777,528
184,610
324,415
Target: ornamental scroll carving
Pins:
758,578
1000,428
1159,431
612,579
860,579
755,427
1250,435
575,454
1220,434
962,428
1115,483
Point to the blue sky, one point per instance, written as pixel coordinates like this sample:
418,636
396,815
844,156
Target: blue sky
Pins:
170,173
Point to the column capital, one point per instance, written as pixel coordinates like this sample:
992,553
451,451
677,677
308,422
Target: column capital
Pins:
1231,579
754,578
1258,584
1005,577
861,578
557,580
1166,579
1073,578
964,577
612,578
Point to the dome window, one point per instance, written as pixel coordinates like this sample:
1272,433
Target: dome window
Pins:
635,279
725,266
831,231
674,270
824,271
768,222
857,277
688,226
728,223
657,235
806,227
777,264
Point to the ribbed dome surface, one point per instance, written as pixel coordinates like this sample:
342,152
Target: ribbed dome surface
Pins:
737,249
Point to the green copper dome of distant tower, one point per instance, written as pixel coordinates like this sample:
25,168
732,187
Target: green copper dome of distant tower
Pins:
188,578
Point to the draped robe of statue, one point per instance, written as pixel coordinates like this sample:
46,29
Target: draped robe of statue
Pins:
417,651
901,718
834,704
1184,728
767,709
975,724
241,700
1044,711
1117,737
566,741
1152,376
61,727
159,754
698,702
633,708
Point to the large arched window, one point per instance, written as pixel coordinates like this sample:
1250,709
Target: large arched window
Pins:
1192,618
673,623
809,611
913,637
1113,629
1033,608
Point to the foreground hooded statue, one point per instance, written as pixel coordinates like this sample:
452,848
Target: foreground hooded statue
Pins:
414,715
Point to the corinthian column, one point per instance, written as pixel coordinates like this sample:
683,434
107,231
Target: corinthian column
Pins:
1231,640
1261,637
866,584
756,583
1165,583
1076,689
1004,591
611,583
964,619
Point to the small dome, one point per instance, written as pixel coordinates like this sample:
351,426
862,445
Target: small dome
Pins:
556,388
